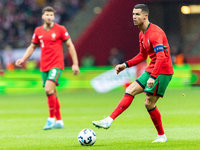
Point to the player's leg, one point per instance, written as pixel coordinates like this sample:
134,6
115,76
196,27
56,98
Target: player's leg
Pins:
127,99
125,102
153,94
50,120
132,90
51,101
150,104
59,122
135,88
50,80
57,111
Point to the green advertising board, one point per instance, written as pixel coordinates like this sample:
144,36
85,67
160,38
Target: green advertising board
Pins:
26,81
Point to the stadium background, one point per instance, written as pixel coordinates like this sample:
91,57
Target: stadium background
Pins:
103,34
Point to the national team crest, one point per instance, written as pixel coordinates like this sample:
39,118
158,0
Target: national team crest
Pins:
53,35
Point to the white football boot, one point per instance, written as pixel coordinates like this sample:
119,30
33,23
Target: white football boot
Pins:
50,124
160,138
105,123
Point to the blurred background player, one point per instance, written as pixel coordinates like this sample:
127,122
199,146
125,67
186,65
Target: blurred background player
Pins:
155,79
50,37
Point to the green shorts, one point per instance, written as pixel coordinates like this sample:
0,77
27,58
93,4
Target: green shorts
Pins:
160,84
53,75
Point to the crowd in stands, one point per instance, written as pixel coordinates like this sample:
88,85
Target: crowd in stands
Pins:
18,18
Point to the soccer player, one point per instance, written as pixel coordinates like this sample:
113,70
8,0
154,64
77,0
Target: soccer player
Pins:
50,37
155,79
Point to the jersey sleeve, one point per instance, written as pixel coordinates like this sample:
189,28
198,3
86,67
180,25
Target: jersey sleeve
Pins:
138,58
64,34
35,39
156,40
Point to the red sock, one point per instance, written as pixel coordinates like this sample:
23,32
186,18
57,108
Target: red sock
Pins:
156,118
122,106
57,111
51,100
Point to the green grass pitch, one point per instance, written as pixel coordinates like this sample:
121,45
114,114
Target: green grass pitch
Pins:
23,118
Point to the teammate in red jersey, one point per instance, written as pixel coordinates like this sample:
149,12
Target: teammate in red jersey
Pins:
50,37
155,79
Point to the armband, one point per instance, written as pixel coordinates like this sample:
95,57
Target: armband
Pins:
158,48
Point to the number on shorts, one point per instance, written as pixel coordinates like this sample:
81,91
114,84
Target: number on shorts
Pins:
53,74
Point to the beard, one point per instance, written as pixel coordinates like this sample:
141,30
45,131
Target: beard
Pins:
48,22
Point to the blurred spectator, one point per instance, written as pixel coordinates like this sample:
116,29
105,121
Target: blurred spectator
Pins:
8,58
19,18
88,60
174,51
180,59
116,57
177,56
2,65
74,5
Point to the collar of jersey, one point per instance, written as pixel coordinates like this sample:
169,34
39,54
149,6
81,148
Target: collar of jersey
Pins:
147,27
50,28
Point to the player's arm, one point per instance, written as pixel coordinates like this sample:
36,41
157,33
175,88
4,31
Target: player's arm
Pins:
157,41
134,61
160,58
73,54
142,56
26,55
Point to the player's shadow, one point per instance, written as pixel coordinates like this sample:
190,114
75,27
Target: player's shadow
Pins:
89,146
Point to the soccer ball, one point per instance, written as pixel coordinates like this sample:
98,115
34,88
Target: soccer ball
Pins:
87,137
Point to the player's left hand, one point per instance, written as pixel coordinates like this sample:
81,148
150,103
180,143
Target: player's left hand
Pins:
76,70
150,82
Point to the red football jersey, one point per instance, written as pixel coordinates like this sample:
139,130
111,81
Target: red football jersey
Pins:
154,43
50,42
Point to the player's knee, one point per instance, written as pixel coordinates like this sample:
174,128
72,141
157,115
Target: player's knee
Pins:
49,90
147,102
134,89
131,90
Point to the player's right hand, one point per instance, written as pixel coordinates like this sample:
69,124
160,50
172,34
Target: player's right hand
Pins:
119,68
19,62
76,70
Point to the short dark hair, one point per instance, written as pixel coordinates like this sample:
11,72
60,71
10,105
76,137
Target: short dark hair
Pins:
143,7
49,9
